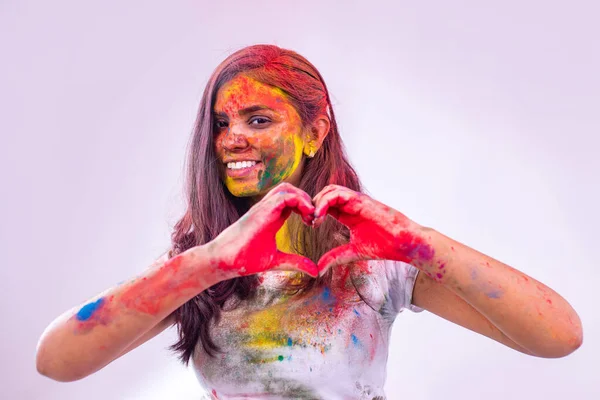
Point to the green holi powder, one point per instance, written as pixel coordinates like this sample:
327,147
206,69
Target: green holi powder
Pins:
266,178
289,390
280,358
273,175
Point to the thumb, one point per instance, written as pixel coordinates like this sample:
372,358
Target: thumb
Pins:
286,261
344,254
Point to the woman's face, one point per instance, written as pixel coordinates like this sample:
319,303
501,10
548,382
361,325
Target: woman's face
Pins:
259,137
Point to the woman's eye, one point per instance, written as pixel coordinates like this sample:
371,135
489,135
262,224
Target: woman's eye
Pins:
221,124
259,121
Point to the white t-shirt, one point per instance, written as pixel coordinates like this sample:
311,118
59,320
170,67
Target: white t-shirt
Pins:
327,344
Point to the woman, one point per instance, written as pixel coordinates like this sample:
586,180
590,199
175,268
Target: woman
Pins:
283,278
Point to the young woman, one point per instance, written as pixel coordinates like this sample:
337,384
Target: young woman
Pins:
283,278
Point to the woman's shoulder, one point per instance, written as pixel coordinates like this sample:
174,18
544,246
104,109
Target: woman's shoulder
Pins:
381,282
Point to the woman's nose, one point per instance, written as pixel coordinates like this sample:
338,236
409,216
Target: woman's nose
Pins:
234,139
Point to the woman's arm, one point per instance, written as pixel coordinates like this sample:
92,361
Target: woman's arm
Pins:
457,283
441,301
90,336
524,313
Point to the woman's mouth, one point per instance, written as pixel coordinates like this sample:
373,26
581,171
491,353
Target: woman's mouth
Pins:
238,169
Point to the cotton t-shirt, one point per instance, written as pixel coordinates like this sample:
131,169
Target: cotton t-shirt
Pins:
329,343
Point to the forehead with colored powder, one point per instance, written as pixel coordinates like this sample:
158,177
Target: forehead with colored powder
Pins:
242,92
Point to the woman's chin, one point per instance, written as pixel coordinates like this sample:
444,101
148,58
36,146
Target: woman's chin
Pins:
257,189
247,191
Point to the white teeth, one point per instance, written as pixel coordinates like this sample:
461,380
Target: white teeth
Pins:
241,164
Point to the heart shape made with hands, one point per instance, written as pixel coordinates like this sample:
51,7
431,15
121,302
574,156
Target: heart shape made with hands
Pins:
376,230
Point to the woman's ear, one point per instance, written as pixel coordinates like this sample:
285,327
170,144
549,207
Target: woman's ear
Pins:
317,133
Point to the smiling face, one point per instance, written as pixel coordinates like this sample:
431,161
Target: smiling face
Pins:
259,137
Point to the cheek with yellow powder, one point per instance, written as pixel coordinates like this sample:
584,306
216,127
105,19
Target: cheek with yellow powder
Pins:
282,163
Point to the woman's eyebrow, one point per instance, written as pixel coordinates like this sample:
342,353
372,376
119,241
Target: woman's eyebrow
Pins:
245,111
251,109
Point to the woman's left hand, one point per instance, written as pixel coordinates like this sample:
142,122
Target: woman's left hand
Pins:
376,230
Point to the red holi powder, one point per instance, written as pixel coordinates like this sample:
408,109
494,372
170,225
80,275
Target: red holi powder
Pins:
541,288
260,254
149,295
214,393
405,246
346,274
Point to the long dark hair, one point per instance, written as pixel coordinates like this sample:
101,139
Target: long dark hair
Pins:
210,206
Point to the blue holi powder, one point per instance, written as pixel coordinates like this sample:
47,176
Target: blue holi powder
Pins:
88,310
355,340
474,274
356,312
494,294
289,341
326,294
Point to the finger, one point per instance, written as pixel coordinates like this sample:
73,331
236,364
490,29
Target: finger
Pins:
279,206
324,191
282,187
335,199
301,193
288,188
294,202
286,261
292,196
341,255
301,203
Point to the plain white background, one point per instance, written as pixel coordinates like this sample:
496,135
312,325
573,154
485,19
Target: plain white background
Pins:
479,119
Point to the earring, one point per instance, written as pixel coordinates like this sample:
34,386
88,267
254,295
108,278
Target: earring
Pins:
312,154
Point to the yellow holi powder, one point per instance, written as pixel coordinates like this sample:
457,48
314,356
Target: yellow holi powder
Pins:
270,329
298,151
283,239
242,85
265,329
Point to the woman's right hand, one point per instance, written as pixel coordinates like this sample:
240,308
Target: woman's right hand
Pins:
248,246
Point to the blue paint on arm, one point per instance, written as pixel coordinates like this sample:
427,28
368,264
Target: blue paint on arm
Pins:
494,294
355,340
289,342
88,310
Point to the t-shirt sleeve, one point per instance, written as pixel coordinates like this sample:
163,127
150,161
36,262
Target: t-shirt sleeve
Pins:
400,280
